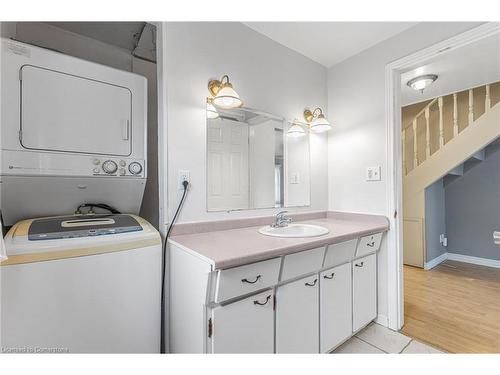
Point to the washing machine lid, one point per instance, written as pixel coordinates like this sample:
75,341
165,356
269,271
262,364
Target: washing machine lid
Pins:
81,226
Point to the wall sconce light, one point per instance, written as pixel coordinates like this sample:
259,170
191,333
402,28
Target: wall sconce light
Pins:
224,96
420,83
316,120
212,112
295,130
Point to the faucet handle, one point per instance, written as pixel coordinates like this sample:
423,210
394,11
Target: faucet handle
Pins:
281,213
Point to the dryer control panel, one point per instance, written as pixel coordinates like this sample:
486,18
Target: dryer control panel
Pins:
117,167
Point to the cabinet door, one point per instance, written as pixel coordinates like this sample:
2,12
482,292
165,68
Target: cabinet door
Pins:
245,326
335,306
297,316
364,291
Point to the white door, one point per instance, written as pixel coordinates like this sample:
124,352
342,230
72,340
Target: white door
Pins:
364,291
245,326
297,316
63,112
335,306
227,165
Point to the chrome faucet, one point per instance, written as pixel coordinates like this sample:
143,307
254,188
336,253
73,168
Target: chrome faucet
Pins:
282,220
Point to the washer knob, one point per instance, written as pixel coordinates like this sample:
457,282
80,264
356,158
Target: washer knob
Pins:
135,167
109,166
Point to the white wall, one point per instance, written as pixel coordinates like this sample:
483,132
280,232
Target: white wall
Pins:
356,107
267,76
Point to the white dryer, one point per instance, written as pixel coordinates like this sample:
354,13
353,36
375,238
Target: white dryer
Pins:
73,131
81,284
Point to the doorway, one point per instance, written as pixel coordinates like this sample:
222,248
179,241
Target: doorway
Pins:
394,73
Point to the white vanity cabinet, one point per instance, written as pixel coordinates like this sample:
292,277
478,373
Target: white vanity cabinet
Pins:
297,316
335,312
364,291
309,301
245,326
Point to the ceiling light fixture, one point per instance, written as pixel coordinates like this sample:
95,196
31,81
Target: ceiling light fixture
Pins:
295,130
420,83
224,94
212,112
316,120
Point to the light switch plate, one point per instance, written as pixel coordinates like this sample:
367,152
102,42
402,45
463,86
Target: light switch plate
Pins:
294,178
373,173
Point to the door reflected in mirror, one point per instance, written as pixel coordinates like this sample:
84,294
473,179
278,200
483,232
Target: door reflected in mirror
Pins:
252,164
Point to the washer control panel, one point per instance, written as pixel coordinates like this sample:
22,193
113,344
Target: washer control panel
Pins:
117,167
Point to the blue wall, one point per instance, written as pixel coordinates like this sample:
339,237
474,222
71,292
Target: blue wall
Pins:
473,209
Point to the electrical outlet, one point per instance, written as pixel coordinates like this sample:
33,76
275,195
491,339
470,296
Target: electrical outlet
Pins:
373,173
443,240
183,176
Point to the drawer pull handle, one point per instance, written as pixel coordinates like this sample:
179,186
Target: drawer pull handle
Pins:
329,277
360,264
312,284
371,244
251,282
256,302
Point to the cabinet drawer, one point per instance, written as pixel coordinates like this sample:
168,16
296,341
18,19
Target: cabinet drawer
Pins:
340,253
303,262
238,281
368,244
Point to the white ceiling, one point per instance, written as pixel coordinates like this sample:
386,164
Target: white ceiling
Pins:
329,43
470,66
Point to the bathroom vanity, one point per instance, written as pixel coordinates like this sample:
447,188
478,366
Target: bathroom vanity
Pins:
239,291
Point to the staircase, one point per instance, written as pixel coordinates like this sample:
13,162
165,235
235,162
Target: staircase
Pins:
448,137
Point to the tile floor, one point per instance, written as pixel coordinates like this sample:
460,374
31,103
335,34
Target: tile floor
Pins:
376,339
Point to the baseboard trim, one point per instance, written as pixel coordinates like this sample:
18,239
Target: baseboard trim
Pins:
434,262
461,258
474,260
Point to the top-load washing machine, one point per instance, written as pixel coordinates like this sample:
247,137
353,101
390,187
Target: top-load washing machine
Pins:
81,284
73,131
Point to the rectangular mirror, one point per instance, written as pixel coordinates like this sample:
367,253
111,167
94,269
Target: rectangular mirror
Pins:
251,163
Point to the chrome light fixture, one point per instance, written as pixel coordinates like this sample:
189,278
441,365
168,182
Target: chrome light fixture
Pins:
316,120
224,95
212,112
420,83
295,130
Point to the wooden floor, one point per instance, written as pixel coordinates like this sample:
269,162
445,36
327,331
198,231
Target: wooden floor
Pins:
455,307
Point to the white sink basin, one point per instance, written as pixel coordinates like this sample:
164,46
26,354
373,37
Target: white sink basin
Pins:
294,231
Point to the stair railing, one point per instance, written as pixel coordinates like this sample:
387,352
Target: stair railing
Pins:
426,113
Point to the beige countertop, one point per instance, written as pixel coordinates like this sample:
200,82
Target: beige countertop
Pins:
238,246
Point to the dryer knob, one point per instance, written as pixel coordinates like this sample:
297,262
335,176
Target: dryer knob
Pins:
109,166
135,167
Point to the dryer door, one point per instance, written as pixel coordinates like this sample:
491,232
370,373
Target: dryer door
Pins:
63,112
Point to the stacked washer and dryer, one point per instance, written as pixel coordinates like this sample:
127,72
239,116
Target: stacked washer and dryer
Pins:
74,132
